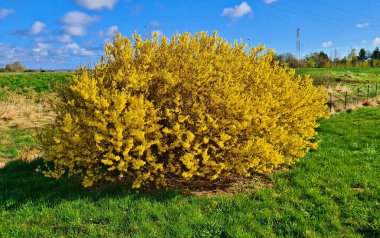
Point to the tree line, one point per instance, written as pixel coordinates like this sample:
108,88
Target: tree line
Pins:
363,59
14,67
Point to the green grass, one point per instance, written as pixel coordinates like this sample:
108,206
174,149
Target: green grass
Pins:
354,77
12,141
26,83
333,192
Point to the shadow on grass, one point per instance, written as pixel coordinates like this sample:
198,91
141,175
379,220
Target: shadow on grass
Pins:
20,184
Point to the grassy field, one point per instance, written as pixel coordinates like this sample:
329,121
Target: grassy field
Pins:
347,86
34,85
346,75
24,107
333,192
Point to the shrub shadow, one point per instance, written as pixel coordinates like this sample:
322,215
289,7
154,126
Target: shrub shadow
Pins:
20,183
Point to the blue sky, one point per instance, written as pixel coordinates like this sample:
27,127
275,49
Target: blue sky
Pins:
62,34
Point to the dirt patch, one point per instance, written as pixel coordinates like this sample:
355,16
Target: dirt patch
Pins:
359,190
19,111
29,155
2,165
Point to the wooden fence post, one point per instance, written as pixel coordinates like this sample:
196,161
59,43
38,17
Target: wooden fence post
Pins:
368,93
330,103
345,99
357,96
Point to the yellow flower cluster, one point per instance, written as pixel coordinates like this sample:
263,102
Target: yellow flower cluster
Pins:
191,106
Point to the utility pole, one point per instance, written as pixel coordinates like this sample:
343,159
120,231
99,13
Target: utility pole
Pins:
146,32
302,60
298,43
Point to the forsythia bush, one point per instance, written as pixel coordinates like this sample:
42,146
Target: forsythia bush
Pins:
192,106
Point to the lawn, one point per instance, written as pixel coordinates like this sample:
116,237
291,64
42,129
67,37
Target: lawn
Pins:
31,84
349,86
353,75
332,192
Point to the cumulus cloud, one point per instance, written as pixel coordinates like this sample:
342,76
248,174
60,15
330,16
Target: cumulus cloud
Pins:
5,12
8,53
154,23
65,38
75,49
52,55
269,1
75,23
376,42
327,44
96,4
41,49
238,10
362,25
109,32
65,50
36,28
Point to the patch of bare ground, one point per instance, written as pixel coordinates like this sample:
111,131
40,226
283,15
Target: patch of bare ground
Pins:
359,189
367,103
22,112
29,154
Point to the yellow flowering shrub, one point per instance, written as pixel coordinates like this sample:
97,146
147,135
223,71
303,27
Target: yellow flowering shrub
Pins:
192,106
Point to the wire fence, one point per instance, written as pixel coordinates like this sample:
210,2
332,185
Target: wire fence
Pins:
344,97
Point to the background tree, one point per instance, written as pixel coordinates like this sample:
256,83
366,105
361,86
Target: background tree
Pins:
15,67
376,54
321,60
362,55
353,58
289,60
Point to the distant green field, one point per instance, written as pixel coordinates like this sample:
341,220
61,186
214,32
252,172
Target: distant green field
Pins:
32,82
333,192
343,75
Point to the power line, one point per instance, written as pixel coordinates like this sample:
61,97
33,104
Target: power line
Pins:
340,9
315,17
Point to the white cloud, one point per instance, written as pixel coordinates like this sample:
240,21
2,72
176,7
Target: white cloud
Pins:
362,25
11,53
96,4
36,28
327,44
112,30
154,23
75,49
75,22
376,42
65,50
238,10
42,49
5,12
65,38
48,55
269,1
75,30
108,33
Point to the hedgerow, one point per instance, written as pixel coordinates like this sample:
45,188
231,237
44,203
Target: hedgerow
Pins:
194,106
